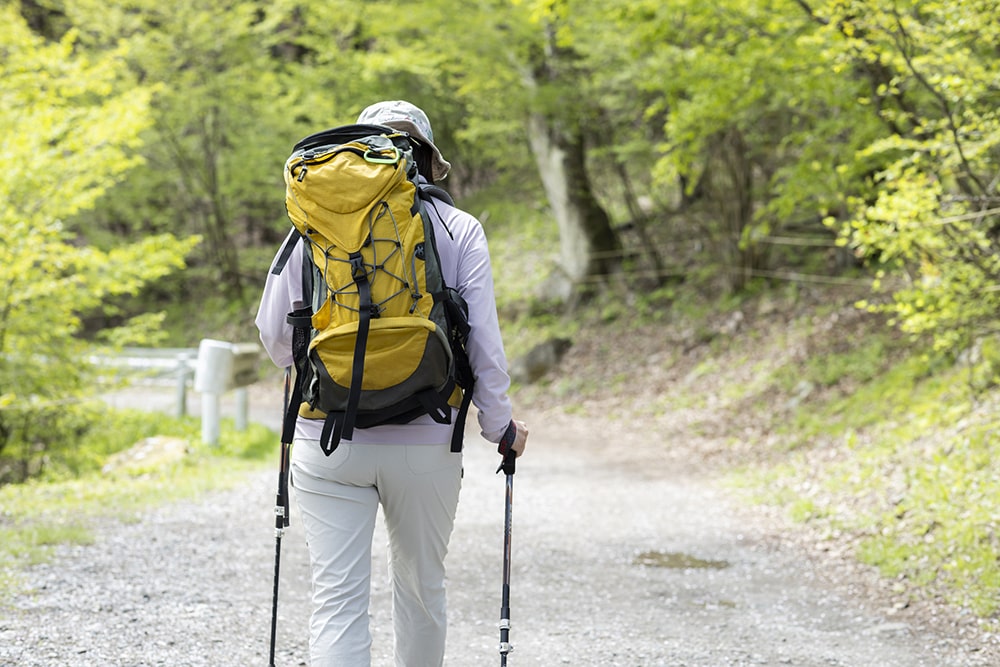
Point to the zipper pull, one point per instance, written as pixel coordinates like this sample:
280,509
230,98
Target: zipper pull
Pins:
302,174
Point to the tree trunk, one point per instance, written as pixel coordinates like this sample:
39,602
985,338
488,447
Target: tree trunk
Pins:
729,186
216,219
588,246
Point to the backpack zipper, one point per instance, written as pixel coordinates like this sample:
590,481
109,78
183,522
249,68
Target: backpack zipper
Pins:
307,158
313,157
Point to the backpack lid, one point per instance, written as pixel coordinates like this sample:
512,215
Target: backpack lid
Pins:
345,134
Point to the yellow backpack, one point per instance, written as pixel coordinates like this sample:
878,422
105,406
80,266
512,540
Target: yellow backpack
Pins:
383,340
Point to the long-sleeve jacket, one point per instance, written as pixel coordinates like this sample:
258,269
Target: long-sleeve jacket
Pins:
465,263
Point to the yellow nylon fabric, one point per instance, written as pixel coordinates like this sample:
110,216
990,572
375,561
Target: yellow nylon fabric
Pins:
395,347
345,204
339,189
334,206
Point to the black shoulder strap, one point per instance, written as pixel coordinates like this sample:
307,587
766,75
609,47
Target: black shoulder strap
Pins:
458,323
428,191
301,321
458,434
286,251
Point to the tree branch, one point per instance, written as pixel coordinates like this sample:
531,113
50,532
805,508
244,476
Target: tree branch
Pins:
812,14
903,42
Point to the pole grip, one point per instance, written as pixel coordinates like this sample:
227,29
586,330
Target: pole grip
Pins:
504,449
281,501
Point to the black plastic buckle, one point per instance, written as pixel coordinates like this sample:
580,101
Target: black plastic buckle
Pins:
358,270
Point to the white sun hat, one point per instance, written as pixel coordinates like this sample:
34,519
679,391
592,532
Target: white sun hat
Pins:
405,117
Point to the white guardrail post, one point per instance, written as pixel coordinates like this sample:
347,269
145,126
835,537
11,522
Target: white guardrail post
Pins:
223,366
215,366
185,372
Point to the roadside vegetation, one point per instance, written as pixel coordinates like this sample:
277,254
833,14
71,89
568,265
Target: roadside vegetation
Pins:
904,468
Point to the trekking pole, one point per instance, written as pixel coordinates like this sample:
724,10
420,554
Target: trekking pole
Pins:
281,512
509,456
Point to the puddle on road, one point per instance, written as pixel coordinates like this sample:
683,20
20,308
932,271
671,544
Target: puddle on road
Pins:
677,561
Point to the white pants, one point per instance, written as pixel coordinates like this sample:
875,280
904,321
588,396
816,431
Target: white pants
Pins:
338,496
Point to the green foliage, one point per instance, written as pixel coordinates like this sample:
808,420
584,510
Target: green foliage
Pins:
754,123
227,319
745,118
464,68
220,126
108,432
931,227
855,362
522,247
942,530
65,113
72,123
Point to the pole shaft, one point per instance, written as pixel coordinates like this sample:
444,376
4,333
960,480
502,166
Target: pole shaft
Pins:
505,646
274,599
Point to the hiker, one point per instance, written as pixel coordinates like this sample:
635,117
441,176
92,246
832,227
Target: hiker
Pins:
410,468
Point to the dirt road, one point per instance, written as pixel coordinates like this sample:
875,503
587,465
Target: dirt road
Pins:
615,564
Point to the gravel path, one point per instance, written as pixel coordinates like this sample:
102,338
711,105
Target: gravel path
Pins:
613,564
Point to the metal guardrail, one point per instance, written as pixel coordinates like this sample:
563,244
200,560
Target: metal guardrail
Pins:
199,367
166,364
149,364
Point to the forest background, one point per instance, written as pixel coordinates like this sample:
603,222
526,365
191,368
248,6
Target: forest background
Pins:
816,180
